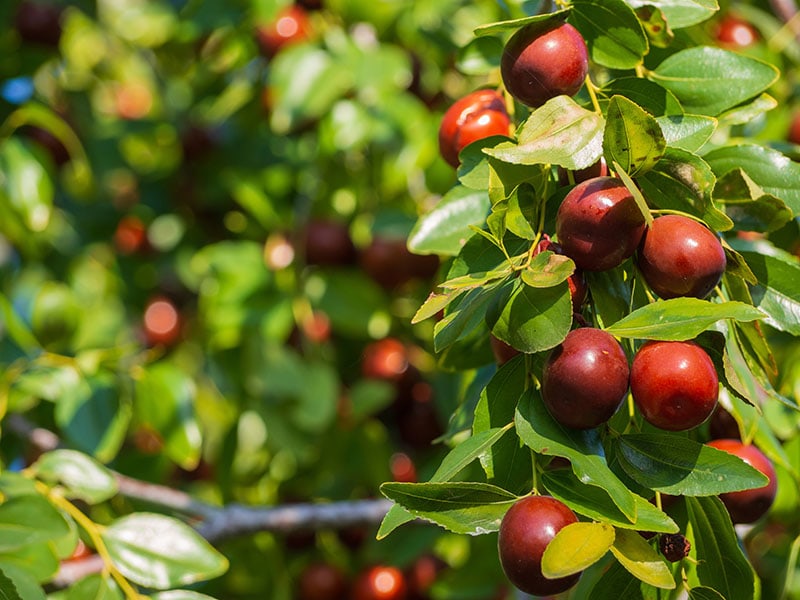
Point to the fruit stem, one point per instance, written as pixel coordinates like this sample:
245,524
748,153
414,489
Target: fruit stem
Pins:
591,89
658,500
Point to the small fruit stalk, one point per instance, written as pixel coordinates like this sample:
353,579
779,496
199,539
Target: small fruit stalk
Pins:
607,303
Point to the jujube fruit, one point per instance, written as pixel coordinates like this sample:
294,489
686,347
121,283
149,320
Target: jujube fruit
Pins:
794,129
327,242
380,583
321,581
543,60
747,506
389,262
674,384
680,257
39,23
525,531
477,115
291,25
734,32
578,287
585,378
599,224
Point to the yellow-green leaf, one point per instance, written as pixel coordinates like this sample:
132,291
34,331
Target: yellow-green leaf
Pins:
576,547
641,559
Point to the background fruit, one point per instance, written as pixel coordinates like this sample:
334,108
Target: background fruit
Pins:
599,224
585,378
477,115
680,257
674,384
380,583
748,506
526,529
321,581
543,60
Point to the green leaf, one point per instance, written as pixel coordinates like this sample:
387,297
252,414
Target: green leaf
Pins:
559,132
8,591
632,137
687,132
548,269
533,319
514,24
160,552
474,447
95,418
25,186
658,31
747,204
613,34
480,56
778,290
772,171
25,584
748,112
28,520
681,13
180,595
641,559
583,448
704,593
395,517
464,316
576,547
684,182
16,328
701,79
96,587
446,228
37,560
82,476
641,203
653,98
595,503
460,507
679,319
721,564
676,465
616,583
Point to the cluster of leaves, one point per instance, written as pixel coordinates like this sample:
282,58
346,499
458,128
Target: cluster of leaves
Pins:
690,128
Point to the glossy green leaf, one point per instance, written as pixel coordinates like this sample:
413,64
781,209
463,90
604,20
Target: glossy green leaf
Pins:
687,132
463,317
616,583
611,293
772,171
82,476
533,319
684,182
778,291
559,132
25,185
679,319
514,24
446,228
653,98
467,451
583,448
461,507
612,31
721,564
395,517
676,465
95,587
655,26
681,13
521,211
701,78
26,520
435,303
8,591
632,137
704,593
161,552
641,559
595,503
25,584
37,560
748,112
576,547
748,205
548,269
641,203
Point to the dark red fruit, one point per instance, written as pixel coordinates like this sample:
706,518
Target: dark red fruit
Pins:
161,322
585,378
502,352
385,359
131,235
734,32
748,506
723,425
390,263
291,25
794,129
327,243
475,116
380,583
599,224
422,574
680,257
598,169
674,546
674,384
403,468
525,531
321,581
39,23
543,60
